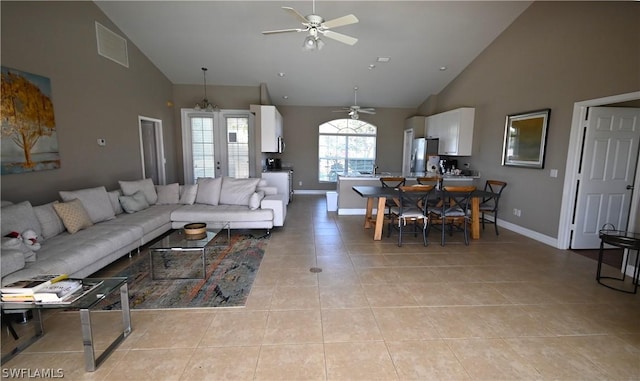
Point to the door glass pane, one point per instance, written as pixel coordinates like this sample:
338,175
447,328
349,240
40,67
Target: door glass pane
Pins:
238,147
202,145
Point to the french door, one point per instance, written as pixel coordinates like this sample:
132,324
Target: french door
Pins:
216,144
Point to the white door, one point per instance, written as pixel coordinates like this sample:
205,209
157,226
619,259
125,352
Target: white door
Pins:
152,150
406,151
610,156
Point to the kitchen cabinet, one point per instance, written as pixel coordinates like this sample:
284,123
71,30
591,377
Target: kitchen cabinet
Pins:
282,180
269,123
454,129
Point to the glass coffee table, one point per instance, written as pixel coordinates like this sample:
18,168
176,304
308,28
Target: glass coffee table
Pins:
105,287
182,256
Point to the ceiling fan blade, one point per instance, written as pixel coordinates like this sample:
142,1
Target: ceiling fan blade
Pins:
340,21
367,111
283,31
297,15
340,37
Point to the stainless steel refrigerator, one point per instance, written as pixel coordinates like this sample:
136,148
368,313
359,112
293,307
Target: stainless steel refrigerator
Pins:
422,149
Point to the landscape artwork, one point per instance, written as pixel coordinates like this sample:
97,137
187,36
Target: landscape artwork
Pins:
29,141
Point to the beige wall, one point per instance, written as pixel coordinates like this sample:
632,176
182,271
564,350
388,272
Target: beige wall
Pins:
93,98
553,55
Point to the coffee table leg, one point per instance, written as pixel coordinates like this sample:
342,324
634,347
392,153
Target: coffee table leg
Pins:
90,361
39,332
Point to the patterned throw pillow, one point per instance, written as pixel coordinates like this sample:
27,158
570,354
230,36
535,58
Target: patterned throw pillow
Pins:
73,215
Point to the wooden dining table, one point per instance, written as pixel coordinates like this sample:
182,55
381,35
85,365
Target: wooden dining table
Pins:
377,196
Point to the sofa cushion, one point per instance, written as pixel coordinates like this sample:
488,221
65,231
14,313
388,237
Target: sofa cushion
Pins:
168,194
220,213
12,261
95,201
188,194
50,222
254,200
134,203
115,201
237,191
73,215
129,188
18,245
18,218
209,190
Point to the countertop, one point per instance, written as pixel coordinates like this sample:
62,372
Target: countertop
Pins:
408,176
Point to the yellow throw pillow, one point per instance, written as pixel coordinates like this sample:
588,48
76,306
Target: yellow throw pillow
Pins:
73,215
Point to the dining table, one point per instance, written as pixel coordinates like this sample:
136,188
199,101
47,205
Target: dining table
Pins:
377,196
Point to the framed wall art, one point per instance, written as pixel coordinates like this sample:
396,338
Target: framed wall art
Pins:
28,141
525,139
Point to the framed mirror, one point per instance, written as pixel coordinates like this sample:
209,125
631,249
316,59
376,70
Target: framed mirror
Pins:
525,138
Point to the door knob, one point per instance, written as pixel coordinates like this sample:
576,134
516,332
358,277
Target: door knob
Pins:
629,187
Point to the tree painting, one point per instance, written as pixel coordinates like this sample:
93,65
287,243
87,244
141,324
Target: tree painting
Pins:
29,140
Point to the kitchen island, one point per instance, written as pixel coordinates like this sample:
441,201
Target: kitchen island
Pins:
350,203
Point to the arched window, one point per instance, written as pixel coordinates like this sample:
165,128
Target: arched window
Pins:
345,146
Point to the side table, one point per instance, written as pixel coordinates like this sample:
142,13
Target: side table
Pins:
624,240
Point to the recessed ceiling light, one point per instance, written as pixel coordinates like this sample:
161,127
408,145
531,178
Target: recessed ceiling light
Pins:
280,74
383,59
372,66
443,68
285,97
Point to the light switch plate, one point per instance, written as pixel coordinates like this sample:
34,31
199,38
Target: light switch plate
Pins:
553,173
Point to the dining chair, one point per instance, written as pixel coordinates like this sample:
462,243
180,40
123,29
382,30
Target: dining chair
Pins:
452,211
392,182
490,204
412,208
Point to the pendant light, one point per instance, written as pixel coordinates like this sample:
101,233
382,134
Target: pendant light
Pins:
205,105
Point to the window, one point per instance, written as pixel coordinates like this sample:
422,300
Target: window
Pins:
345,145
238,146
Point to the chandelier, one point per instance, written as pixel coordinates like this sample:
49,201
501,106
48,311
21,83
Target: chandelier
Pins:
205,105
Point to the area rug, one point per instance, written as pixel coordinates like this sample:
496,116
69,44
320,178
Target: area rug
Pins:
230,272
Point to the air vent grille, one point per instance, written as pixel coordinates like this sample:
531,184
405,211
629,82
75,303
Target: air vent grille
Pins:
111,45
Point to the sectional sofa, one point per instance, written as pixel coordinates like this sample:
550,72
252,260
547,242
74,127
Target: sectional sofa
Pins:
90,228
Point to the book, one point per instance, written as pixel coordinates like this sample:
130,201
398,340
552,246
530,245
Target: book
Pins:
58,291
32,285
20,298
85,288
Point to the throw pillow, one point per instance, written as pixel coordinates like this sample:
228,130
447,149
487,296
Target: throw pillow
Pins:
237,191
135,203
188,194
49,220
115,202
73,215
146,186
18,218
95,201
168,194
209,190
254,200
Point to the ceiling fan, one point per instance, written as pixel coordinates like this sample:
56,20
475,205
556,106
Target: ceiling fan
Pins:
355,109
315,25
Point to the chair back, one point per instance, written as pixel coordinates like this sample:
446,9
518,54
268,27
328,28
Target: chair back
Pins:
414,199
431,180
392,182
495,186
456,200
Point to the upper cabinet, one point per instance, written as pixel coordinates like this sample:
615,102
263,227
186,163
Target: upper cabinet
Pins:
454,129
269,123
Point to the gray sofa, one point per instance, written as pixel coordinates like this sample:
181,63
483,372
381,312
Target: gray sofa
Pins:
79,240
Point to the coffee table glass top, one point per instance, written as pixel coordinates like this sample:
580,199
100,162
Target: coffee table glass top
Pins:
106,287
177,239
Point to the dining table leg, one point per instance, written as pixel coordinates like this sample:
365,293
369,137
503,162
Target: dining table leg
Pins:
382,202
475,217
368,213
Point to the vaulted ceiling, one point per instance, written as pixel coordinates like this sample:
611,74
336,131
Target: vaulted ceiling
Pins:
428,44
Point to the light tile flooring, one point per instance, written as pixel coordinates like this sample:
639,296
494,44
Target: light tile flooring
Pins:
503,308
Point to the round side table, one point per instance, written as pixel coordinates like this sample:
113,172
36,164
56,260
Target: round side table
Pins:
624,240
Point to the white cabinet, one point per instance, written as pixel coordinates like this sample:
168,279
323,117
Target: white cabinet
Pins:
454,129
281,180
269,123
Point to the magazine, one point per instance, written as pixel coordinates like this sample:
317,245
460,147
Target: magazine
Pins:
86,287
30,286
58,291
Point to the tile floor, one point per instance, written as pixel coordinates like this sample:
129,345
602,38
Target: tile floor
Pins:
503,308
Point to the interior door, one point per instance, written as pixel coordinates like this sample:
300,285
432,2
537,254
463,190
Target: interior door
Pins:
152,150
608,166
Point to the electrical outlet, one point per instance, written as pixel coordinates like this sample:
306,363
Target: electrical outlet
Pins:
517,212
300,183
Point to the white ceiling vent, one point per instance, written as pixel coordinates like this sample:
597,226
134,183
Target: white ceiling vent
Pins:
111,45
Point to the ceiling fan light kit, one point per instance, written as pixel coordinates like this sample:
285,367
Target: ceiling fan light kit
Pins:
316,25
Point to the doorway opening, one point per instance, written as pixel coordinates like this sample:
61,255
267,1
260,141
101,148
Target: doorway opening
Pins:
152,150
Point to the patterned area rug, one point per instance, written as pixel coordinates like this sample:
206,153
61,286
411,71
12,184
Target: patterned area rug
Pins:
230,271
